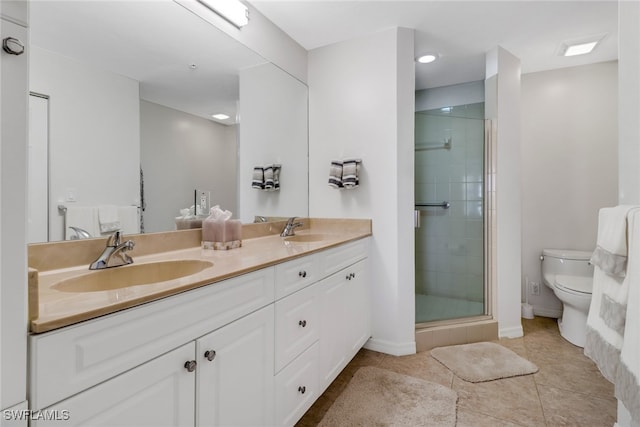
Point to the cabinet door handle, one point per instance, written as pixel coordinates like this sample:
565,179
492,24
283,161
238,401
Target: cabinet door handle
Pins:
348,277
302,273
210,355
302,389
190,365
302,323
353,275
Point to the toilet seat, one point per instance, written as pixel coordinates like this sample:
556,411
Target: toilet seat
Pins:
575,284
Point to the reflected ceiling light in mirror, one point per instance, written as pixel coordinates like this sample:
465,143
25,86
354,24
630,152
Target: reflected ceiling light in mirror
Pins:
220,116
232,11
427,58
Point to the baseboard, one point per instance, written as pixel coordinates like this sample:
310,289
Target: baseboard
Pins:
392,348
547,312
513,332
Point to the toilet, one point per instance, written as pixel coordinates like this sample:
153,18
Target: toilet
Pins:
570,275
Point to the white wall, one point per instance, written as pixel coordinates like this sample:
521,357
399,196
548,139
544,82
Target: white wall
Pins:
502,104
94,133
458,94
361,104
13,188
629,122
180,153
273,129
629,93
569,164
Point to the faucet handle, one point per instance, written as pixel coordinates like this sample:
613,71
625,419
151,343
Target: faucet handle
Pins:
114,239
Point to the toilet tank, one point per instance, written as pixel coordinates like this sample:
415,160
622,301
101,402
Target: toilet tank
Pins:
566,262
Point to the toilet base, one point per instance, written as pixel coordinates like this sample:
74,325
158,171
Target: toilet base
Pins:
573,326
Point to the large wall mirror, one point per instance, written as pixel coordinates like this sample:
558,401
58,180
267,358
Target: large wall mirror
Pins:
121,105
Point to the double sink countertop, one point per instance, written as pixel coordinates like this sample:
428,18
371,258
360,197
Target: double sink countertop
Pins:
52,305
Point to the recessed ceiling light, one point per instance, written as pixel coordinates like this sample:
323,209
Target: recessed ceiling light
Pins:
427,58
232,11
220,116
580,46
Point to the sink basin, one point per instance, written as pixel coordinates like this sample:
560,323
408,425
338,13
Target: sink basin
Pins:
306,238
131,275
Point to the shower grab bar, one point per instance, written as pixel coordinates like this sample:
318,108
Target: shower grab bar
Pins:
446,144
443,205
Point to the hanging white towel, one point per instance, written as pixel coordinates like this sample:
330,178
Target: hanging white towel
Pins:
335,174
627,380
108,219
84,217
129,219
607,312
611,250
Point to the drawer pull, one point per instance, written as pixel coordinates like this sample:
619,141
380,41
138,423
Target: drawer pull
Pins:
302,389
210,355
302,273
190,365
302,323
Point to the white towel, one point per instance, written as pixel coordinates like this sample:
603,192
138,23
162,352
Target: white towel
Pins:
611,250
335,174
85,217
129,219
607,312
108,218
627,378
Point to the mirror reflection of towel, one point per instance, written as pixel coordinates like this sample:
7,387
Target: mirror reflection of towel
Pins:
108,219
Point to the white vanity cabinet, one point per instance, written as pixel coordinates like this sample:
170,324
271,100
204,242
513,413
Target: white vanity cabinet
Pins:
253,350
160,392
235,373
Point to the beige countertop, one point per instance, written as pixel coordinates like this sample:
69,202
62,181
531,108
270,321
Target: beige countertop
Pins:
56,309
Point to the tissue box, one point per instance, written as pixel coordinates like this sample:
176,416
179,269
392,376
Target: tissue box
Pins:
221,235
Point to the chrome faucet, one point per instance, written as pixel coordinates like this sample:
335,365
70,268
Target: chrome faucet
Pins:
289,228
115,254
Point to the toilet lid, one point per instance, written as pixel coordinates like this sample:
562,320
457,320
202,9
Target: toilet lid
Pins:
575,283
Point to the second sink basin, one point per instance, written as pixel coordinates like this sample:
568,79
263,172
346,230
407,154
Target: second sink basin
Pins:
131,275
306,238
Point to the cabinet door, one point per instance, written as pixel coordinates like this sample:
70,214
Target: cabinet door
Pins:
235,387
160,392
358,307
333,358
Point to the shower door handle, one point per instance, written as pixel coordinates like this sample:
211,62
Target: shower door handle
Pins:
416,218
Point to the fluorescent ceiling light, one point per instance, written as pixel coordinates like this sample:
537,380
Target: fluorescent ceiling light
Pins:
425,59
580,46
220,116
233,11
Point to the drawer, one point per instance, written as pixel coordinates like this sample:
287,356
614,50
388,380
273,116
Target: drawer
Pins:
297,387
297,324
336,259
72,359
296,274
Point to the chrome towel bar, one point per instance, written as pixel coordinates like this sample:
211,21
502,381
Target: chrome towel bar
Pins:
443,205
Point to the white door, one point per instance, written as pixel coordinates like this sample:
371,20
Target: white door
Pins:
38,167
357,310
160,392
235,373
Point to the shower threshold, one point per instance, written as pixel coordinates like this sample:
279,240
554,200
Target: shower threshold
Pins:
455,331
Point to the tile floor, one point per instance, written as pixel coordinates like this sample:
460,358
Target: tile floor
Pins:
568,389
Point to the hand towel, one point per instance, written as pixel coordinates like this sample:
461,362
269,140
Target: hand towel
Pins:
276,176
84,217
268,177
257,181
108,218
627,380
611,250
335,174
350,171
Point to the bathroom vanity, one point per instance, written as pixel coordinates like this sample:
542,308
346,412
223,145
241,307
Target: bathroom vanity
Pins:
252,339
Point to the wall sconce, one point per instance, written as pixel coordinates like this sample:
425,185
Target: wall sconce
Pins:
232,11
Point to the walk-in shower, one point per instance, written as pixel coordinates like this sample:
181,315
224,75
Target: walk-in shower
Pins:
449,197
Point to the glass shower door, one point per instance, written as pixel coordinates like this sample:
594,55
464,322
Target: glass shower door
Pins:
449,235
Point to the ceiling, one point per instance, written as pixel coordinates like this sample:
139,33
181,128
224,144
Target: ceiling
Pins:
461,32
